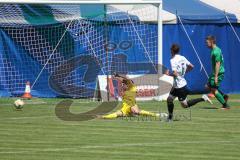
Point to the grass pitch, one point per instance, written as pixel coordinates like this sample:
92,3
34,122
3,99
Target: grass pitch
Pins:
35,133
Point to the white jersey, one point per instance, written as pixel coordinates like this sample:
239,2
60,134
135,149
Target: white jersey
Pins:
179,64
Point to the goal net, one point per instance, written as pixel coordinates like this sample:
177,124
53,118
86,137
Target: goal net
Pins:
71,50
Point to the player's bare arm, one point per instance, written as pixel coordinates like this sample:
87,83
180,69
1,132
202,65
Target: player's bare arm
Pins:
175,74
172,74
217,67
189,68
119,77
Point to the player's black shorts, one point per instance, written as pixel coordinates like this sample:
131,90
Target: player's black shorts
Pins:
181,93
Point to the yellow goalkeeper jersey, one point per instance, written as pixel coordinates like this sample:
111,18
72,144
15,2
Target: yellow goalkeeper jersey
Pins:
129,96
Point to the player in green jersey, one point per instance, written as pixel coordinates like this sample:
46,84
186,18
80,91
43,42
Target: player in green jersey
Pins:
218,70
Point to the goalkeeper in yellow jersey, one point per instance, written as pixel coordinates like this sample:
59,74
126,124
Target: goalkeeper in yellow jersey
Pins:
129,106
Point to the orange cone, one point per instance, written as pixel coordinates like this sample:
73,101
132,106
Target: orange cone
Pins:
27,93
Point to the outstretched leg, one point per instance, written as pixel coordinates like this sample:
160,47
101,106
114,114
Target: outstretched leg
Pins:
189,103
113,115
135,110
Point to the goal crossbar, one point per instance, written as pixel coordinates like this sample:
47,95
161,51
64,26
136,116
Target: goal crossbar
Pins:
81,1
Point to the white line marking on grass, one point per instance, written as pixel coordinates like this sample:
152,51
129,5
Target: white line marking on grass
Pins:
26,117
155,144
76,149
13,152
26,103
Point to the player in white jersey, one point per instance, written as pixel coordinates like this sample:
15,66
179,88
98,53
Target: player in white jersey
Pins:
180,66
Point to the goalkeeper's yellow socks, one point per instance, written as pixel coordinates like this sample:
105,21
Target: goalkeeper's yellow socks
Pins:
146,113
110,116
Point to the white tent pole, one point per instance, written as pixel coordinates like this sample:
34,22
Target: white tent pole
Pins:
234,31
184,29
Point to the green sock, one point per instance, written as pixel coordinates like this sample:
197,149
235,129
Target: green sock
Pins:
220,98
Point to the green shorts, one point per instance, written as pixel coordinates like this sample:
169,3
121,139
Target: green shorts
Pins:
211,81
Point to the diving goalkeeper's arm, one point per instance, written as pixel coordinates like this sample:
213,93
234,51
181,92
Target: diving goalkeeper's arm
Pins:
119,77
123,79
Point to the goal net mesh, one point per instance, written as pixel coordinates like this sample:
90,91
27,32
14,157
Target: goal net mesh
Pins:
62,49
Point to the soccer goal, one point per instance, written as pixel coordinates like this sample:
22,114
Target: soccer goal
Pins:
70,48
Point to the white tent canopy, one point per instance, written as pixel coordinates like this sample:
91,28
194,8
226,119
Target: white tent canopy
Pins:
232,6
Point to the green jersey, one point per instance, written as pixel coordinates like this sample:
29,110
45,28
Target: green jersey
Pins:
216,56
